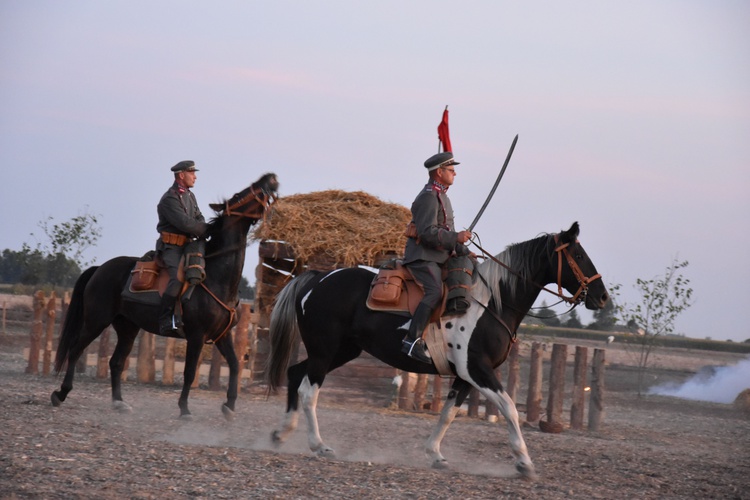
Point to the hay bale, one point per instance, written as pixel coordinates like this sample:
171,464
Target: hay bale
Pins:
349,227
742,402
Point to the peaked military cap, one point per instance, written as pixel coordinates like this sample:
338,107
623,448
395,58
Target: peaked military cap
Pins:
185,166
440,160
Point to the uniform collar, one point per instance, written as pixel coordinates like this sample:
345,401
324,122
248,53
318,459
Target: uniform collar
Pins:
180,188
436,186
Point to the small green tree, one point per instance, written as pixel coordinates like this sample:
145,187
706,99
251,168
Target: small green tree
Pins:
70,238
662,300
605,319
573,321
547,316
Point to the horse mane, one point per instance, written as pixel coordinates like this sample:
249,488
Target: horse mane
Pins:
520,258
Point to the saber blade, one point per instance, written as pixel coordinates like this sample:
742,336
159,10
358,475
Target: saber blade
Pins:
492,192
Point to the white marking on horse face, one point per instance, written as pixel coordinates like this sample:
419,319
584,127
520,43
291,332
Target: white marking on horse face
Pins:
304,299
405,326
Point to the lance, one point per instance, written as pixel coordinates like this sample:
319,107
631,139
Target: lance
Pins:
492,192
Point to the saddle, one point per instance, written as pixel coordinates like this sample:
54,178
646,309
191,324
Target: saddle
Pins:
395,290
149,277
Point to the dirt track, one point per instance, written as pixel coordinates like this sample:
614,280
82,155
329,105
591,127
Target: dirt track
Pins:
653,447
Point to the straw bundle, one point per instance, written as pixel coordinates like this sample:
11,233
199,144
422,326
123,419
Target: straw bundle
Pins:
348,227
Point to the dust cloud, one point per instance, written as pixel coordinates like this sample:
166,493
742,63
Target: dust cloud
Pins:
713,384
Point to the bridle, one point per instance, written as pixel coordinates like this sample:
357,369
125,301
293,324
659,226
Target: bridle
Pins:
583,280
560,250
254,210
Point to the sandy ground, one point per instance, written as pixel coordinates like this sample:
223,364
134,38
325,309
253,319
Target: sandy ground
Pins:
648,447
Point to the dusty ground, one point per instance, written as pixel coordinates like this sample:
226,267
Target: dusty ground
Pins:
650,447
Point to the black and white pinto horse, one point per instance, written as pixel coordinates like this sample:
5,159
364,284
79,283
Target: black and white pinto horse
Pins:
328,310
209,314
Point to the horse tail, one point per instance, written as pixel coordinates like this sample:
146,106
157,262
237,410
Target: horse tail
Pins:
73,323
284,330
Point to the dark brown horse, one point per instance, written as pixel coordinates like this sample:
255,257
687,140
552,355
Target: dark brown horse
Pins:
97,302
328,310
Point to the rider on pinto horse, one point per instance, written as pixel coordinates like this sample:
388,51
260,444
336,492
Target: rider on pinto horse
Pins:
432,240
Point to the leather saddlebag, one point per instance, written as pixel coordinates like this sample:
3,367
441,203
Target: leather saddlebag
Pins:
387,286
144,275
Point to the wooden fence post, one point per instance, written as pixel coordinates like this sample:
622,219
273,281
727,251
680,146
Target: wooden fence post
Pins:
534,397
102,364
241,333
556,389
36,334
146,362
420,390
214,373
579,388
437,394
473,403
47,361
596,403
403,392
167,369
5,308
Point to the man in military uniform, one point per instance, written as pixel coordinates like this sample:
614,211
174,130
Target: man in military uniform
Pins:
435,241
180,221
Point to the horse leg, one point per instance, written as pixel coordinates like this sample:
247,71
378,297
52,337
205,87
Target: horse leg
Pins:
225,347
289,423
508,409
75,352
453,403
318,365
192,354
309,395
126,334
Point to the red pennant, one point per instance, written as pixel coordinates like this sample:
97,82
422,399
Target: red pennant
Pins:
443,132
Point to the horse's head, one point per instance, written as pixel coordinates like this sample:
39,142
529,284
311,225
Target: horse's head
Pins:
252,202
576,273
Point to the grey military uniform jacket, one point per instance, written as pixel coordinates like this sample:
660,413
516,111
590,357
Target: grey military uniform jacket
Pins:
179,213
432,213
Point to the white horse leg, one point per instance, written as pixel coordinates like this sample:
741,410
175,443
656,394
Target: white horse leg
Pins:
517,444
432,446
309,400
288,425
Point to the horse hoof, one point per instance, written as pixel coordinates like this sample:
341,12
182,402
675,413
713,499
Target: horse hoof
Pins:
186,417
326,452
526,471
440,463
276,438
56,401
121,407
228,412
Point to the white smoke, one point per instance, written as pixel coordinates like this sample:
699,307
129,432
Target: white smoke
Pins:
720,384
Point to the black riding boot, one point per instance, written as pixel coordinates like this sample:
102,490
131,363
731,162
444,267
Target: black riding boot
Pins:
168,323
413,344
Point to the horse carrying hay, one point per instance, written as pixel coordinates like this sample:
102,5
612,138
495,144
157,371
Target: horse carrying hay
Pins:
328,311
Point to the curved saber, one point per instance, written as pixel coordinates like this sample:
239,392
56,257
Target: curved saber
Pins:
492,192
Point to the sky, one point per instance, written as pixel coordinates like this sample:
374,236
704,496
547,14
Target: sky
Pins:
633,118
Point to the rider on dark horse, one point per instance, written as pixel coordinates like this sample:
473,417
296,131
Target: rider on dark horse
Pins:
431,242
180,221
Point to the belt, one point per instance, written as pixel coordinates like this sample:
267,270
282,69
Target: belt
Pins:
174,239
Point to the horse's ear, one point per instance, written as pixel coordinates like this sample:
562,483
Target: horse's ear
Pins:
571,235
216,207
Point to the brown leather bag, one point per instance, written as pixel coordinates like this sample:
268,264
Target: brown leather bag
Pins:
144,275
387,286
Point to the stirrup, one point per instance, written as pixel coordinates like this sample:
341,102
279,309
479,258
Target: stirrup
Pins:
416,350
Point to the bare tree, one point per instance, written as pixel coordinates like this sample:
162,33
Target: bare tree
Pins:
662,299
